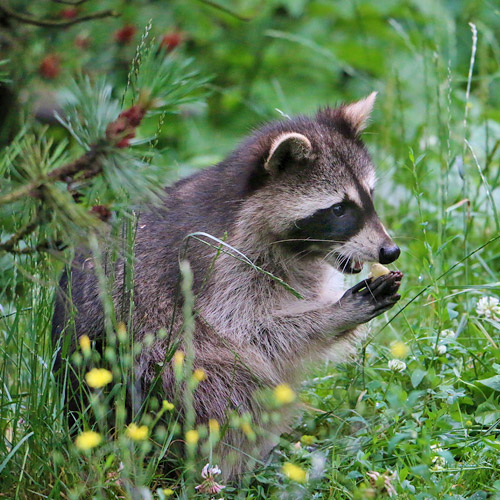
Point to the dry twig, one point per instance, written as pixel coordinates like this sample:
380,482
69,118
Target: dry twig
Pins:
52,23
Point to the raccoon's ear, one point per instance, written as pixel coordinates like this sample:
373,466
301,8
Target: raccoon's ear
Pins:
290,145
358,113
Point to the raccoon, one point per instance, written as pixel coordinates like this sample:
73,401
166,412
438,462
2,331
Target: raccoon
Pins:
295,200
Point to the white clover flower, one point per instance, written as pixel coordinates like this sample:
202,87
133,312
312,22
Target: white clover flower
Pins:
488,307
438,461
441,349
446,334
397,365
388,477
210,471
209,485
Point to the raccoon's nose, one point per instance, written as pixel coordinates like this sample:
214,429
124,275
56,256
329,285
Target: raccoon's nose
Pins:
389,254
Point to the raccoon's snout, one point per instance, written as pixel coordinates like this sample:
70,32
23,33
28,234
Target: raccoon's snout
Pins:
388,253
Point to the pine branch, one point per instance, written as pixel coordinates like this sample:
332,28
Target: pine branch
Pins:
79,194
49,23
24,231
226,10
57,246
69,2
89,162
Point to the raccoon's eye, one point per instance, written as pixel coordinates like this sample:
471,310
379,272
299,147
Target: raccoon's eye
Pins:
338,209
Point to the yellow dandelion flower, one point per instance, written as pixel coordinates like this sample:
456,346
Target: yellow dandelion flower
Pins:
121,332
192,437
213,426
98,377
168,492
199,375
137,432
84,343
307,440
178,359
294,472
247,429
88,440
167,406
399,350
284,394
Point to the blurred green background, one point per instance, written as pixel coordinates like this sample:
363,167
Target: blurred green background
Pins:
291,56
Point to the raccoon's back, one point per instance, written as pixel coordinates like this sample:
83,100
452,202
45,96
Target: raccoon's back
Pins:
205,202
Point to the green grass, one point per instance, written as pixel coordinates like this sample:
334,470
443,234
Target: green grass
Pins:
433,428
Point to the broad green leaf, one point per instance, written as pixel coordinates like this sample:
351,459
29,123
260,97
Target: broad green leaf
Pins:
492,382
417,377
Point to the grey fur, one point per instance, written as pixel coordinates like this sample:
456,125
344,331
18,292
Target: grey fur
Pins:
250,331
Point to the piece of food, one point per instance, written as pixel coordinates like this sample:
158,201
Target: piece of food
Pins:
377,270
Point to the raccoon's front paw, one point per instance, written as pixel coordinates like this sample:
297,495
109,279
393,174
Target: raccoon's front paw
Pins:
372,297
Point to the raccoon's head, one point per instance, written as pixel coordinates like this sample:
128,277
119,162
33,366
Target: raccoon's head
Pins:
314,193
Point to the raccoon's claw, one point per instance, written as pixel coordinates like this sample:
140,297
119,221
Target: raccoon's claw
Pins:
386,303
374,297
385,285
388,284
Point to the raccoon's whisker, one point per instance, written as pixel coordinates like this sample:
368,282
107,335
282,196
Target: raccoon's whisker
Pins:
332,251
329,254
302,254
346,261
337,260
312,240
337,250
305,251
297,256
